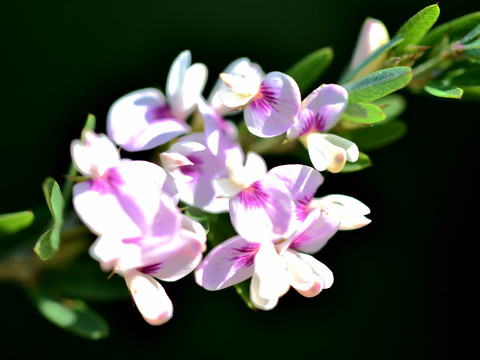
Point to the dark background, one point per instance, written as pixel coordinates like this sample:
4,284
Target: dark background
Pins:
395,280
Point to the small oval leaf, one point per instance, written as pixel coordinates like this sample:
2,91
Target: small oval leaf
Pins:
416,27
378,84
14,222
363,113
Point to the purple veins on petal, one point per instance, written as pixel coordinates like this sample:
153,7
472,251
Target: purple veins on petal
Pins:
151,269
158,112
302,207
104,184
312,122
196,168
245,257
254,196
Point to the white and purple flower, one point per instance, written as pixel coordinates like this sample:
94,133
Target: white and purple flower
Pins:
270,102
132,207
145,119
319,112
276,264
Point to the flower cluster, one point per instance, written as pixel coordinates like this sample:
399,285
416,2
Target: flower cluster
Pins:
135,207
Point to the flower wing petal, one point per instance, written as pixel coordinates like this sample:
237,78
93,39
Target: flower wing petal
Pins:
142,120
227,264
272,111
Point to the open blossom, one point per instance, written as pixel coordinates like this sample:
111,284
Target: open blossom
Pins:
145,119
269,102
320,111
275,265
142,235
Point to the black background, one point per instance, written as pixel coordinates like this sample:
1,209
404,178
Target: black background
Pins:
395,280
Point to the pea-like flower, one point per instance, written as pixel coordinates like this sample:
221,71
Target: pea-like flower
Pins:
319,112
132,207
275,265
269,102
145,119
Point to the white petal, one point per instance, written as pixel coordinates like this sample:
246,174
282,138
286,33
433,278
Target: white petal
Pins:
350,211
233,99
324,155
350,148
319,269
94,154
150,298
270,279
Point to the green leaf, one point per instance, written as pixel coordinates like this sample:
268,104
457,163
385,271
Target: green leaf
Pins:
453,30
363,162
472,35
392,105
72,315
363,113
378,136
464,77
472,51
378,84
416,27
49,242
370,58
90,123
14,222
443,90
308,70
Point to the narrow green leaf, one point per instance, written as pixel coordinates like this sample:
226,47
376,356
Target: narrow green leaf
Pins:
464,77
472,51
378,84
443,90
49,242
472,35
308,70
363,113
453,30
363,162
14,222
416,27
74,316
378,136
90,123
370,58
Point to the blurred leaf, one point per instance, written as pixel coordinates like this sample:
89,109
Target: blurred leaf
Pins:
443,90
199,216
308,70
471,93
416,27
49,242
363,162
363,113
14,222
90,123
392,105
85,280
243,289
378,84
72,315
453,30
472,51
370,58
378,136
464,77
470,36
